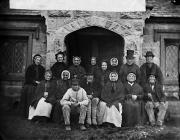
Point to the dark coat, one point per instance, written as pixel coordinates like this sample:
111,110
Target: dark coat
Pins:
126,69
112,92
39,93
34,73
94,88
57,69
146,71
157,94
62,86
133,110
79,71
102,76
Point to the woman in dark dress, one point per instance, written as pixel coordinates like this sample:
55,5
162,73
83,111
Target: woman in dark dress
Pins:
61,87
34,74
43,99
102,74
133,106
59,66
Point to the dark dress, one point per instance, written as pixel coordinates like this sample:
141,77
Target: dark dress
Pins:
45,86
146,71
126,69
57,69
112,93
133,110
61,88
102,76
33,73
78,71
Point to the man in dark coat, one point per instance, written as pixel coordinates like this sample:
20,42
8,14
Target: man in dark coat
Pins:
62,85
148,68
77,71
156,99
130,66
132,107
59,66
34,74
93,90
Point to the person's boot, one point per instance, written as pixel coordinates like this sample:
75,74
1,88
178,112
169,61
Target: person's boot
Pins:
68,128
82,127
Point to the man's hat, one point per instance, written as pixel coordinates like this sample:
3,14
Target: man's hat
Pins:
75,81
130,54
149,53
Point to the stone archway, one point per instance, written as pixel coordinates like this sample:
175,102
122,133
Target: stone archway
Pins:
132,35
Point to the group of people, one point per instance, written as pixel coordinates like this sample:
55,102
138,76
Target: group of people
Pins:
104,94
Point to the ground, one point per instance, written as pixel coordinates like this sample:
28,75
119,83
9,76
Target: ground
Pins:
14,127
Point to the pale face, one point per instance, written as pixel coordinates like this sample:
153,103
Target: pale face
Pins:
37,60
75,87
149,59
113,77
130,61
90,78
76,61
65,76
152,79
131,77
114,62
60,58
104,66
93,61
48,76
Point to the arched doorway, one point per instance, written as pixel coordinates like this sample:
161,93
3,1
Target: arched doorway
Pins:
94,41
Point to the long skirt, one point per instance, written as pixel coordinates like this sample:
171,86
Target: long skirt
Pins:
57,115
132,113
110,115
43,109
27,93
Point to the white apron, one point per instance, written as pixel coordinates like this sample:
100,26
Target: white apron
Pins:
43,109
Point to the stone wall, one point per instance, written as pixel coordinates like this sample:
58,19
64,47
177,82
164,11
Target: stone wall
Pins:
61,23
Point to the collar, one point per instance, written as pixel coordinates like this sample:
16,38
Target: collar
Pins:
131,83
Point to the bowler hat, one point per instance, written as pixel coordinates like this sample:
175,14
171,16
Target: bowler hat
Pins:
149,53
130,54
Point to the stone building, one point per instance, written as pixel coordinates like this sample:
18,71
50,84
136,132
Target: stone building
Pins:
102,34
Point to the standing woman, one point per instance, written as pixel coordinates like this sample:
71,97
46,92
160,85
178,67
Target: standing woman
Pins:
103,73
59,66
34,74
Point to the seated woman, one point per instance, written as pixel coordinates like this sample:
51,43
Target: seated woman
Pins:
110,108
62,85
132,107
43,100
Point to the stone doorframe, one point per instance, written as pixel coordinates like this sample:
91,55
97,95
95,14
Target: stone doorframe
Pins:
130,29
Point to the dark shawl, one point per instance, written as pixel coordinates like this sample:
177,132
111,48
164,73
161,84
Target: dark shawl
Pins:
57,69
62,86
34,73
110,93
126,69
39,93
135,89
102,76
146,71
